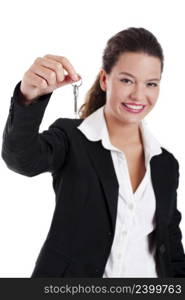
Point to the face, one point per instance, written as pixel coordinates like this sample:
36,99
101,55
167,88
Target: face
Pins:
132,87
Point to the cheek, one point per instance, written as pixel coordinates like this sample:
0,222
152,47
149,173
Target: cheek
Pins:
154,98
118,93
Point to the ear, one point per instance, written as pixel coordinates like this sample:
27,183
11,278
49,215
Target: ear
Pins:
103,77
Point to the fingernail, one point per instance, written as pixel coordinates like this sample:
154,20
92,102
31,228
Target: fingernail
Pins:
75,77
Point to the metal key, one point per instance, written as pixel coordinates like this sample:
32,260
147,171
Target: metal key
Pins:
76,92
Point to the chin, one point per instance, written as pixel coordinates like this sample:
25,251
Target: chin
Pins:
130,121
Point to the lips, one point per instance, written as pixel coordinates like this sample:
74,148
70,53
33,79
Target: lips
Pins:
132,103
133,107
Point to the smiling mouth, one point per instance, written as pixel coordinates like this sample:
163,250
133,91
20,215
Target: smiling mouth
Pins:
135,108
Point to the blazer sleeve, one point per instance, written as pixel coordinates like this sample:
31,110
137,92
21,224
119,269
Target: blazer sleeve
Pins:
24,149
175,234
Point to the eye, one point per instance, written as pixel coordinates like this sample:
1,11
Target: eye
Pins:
126,80
153,84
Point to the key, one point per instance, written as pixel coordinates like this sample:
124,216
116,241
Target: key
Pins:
76,92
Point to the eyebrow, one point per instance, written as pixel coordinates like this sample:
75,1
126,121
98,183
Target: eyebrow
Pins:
126,73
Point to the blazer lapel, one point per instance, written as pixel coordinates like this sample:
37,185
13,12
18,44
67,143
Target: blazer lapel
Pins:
103,164
163,187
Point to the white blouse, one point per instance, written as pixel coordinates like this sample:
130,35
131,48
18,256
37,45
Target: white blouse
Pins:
133,249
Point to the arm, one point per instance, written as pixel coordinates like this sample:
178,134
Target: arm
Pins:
175,235
26,151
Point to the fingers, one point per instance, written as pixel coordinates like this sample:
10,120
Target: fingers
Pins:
48,64
65,63
51,69
47,74
35,80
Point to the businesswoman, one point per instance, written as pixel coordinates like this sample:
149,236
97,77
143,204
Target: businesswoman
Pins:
116,186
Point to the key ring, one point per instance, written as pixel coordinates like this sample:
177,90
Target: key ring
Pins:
75,83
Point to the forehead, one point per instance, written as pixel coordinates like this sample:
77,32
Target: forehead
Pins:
138,64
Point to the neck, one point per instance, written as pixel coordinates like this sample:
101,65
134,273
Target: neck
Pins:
122,133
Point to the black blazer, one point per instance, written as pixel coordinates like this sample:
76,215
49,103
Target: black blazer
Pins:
86,188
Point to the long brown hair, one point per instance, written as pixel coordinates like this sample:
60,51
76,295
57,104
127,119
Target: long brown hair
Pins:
131,39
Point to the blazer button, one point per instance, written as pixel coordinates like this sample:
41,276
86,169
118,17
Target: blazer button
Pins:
110,233
162,248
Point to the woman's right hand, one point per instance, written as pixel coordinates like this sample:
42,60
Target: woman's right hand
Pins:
45,75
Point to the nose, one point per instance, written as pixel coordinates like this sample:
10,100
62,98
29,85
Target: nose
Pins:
137,94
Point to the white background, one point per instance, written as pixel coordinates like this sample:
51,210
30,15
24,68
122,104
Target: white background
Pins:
78,30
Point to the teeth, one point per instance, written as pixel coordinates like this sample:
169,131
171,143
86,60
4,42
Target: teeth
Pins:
134,106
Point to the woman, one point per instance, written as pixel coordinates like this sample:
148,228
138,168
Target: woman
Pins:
116,206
